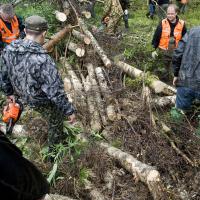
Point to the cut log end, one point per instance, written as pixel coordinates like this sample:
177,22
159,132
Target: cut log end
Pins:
80,52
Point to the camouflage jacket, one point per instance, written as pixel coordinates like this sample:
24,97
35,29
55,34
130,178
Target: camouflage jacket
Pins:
30,73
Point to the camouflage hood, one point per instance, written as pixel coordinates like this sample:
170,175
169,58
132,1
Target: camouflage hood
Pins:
25,46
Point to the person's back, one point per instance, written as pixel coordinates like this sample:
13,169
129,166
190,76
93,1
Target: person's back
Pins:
19,178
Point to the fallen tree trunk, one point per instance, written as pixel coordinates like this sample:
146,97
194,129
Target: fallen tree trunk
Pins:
95,44
79,51
164,101
56,38
94,114
96,93
105,90
157,85
147,174
56,197
81,37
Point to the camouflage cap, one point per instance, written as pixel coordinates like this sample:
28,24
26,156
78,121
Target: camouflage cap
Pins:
36,23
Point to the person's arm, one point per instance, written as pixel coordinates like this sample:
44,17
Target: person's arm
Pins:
184,31
178,54
157,36
53,87
5,81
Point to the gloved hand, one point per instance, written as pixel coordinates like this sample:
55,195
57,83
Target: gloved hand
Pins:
154,54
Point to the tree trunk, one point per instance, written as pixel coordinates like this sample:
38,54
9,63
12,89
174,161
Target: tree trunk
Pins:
95,44
81,37
79,51
157,85
56,38
147,174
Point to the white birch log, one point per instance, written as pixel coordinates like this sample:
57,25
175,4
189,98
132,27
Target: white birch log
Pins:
81,36
79,51
164,101
95,44
95,122
96,92
157,85
147,174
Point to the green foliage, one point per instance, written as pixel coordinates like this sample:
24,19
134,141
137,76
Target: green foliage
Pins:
176,115
83,175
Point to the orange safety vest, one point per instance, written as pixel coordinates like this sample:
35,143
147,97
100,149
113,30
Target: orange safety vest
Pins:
6,34
165,36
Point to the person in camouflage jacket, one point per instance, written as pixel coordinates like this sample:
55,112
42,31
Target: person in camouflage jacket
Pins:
30,74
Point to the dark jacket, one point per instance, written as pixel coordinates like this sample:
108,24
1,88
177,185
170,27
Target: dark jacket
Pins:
125,4
186,60
30,73
158,32
160,2
19,178
8,25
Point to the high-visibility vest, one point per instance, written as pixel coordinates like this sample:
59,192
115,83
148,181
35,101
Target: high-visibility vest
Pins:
166,30
6,34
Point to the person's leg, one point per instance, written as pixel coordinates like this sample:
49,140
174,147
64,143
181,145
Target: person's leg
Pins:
184,98
125,18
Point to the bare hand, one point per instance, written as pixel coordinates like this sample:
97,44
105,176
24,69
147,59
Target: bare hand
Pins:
175,80
72,118
11,99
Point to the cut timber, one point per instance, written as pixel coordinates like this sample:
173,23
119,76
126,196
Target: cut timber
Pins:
56,38
96,92
56,197
81,37
95,123
60,16
86,14
105,90
79,51
95,44
157,85
68,89
147,174
164,101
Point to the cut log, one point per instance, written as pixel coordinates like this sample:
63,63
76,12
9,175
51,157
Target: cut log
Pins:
164,101
145,173
95,123
56,38
79,51
96,92
157,85
95,44
56,197
86,14
60,16
81,37
69,89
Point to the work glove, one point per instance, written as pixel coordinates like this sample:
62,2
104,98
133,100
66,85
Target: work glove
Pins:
126,12
154,54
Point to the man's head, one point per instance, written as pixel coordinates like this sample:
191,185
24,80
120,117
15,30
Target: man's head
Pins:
36,28
172,12
7,12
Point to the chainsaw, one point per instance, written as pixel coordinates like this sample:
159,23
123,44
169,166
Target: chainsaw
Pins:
11,114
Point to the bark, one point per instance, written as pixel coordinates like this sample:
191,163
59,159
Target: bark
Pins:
164,101
94,114
147,174
66,8
157,85
56,38
105,90
81,37
79,51
95,44
96,92
56,197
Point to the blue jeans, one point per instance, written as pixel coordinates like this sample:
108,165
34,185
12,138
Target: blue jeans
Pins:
185,96
152,9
